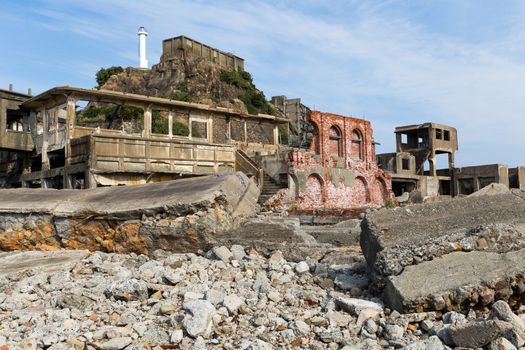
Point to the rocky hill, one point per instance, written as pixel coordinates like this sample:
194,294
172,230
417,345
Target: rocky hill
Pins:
191,79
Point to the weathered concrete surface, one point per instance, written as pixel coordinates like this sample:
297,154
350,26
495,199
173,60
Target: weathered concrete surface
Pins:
394,239
451,255
459,280
13,262
180,215
274,233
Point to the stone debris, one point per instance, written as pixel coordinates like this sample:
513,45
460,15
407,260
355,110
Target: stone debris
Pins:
225,298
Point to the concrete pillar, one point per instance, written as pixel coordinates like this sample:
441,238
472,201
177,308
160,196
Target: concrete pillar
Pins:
229,129
45,140
67,181
451,163
209,126
33,122
190,126
170,124
71,117
432,163
89,180
3,116
245,132
147,122
276,134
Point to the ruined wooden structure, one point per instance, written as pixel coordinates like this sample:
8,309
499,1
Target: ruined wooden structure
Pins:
51,149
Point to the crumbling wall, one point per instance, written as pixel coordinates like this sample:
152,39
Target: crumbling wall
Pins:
339,171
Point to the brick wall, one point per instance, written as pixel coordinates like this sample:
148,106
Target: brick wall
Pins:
339,171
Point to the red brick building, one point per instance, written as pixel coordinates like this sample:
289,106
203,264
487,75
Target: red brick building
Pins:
339,171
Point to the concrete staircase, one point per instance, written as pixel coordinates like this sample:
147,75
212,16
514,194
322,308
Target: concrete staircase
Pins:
270,187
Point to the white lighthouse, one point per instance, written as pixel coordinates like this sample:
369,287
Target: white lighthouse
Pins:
143,61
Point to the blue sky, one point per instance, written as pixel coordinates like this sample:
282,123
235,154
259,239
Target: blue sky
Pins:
397,62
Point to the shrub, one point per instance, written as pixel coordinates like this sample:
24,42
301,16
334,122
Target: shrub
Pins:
104,74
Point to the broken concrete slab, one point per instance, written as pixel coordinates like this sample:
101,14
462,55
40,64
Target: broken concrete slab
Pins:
457,281
394,239
275,233
180,215
11,262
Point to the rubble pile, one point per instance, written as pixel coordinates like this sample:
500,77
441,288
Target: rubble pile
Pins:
227,298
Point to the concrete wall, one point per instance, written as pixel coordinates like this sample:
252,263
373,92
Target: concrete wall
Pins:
517,177
471,179
180,45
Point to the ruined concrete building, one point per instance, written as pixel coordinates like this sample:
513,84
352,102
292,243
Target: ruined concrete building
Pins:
176,47
59,140
414,164
339,171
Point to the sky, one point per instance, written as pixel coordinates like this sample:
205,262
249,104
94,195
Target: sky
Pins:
393,62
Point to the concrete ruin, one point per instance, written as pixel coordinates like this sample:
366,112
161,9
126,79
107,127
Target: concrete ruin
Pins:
57,146
182,45
339,170
413,166
178,216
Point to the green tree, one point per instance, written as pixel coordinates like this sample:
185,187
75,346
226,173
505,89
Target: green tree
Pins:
104,74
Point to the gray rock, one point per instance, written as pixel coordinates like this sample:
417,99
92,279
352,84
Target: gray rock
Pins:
453,317
116,343
501,344
128,290
355,306
176,336
434,343
232,302
258,344
501,311
301,327
302,267
237,252
348,282
200,344
476,334
223,253
393,331
199,320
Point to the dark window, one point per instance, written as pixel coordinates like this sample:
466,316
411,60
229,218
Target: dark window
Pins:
405,163
439,134
357,144
335,146
446,135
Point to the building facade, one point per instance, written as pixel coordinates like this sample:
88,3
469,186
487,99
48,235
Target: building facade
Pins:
83,138
339,171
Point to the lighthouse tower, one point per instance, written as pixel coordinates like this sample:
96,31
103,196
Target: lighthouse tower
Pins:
143,61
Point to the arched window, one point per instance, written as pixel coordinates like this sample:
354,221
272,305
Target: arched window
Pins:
357,145
335,141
